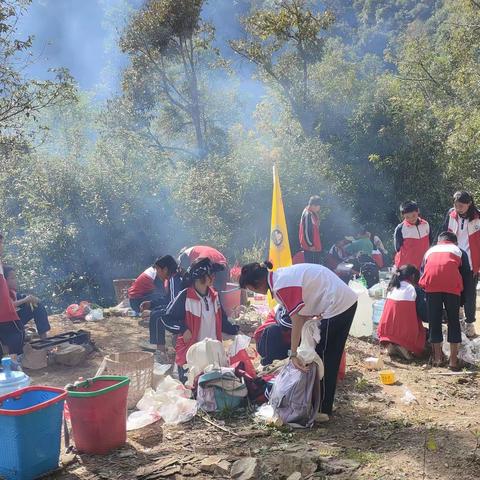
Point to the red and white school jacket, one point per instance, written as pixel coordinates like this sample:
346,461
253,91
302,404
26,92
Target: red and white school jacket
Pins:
144,284
411,242
453,223
193,319
310,290
8,312
309,231
400,323
441,271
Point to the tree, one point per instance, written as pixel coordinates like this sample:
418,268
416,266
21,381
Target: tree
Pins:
21,98
169,46
284,42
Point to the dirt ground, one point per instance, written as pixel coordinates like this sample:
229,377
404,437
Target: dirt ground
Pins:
372,435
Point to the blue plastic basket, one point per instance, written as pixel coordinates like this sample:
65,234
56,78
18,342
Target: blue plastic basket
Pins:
31,427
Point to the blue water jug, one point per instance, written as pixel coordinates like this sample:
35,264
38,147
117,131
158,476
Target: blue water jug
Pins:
377,311
11,380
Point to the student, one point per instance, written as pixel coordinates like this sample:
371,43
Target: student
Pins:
273,337
150,285
307,291
158,308
189,255
196,313
464,221
28,306
405,309
361,244
11,328
309,231
445,267
412,237
336,254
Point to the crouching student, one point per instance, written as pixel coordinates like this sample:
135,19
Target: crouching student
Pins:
273,337
28,306
196,313
309,291
11,328
444,271
401,328
158,308
150,285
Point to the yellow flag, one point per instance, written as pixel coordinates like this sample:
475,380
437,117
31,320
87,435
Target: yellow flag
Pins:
279,253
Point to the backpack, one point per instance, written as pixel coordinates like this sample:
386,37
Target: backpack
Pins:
296,395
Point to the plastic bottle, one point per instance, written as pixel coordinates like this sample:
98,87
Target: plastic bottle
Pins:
362,281
362,322
11,380
377,311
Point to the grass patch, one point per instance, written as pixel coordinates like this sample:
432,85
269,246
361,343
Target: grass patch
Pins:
360,456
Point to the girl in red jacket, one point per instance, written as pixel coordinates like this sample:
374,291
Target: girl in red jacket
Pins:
400,326
196,312
464,221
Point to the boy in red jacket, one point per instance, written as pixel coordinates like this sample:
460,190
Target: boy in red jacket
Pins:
309,231
412,237
445,267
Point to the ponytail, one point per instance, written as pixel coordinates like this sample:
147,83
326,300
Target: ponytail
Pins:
404,273
254,274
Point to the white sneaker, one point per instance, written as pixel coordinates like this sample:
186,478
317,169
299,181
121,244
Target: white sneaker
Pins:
470,330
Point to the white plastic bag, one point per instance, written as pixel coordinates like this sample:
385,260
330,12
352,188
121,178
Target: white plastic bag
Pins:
240,342
140,419
94,315
310,338
170,401
202,354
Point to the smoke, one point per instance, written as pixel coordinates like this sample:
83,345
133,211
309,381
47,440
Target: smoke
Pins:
78,35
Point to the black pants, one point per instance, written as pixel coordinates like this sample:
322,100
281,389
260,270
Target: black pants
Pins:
38,314
470,296
313,257
435,304
272,345
11,337
157,329
333,336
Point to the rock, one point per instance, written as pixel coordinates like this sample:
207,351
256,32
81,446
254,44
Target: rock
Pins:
190,471
245,469
214,464
297,462
295,476
336,466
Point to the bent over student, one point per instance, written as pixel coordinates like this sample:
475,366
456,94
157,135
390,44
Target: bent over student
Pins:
308,291
150,285
196,313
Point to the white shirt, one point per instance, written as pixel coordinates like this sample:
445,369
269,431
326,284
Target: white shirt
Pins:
208,320
463,237
311,290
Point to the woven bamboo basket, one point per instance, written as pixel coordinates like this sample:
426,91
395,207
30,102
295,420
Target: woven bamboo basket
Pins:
121,286
137,366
